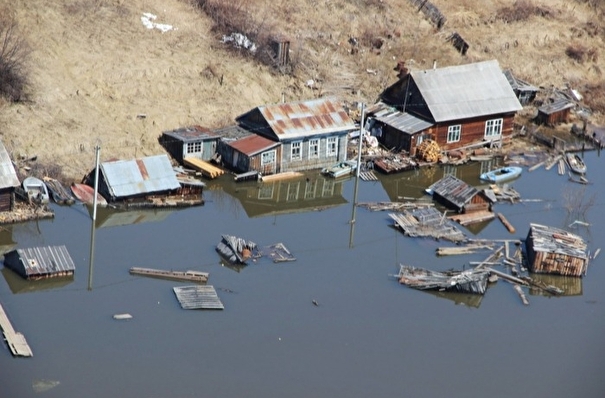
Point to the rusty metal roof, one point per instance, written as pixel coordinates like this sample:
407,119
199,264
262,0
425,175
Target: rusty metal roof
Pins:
306,118
464,91
192,133
253,144
8,176
139,176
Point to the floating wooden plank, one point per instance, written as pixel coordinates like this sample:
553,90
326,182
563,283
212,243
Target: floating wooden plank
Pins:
15,340
472,217
185,276
208,170
251,175
281,176
457,250
198,297
507,224
122,316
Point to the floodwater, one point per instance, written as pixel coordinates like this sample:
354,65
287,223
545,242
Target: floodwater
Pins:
368,337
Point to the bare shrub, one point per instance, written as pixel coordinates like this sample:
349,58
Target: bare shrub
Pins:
594,96
14,53
522,10
581,53
578,203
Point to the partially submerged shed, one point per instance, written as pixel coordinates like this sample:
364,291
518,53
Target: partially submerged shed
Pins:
8,180
459,196
40,262
555,251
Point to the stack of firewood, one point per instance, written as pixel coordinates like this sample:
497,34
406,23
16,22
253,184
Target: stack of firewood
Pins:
429,151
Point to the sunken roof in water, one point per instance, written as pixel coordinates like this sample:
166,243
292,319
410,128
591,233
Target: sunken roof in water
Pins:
8,175
454,190
40,262
464,91
139,176
298,119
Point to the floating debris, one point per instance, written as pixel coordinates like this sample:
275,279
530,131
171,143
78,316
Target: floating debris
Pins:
469,281
188,276
198,297
428,222
237,250
122,316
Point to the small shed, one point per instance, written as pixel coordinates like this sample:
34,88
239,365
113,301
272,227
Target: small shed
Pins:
253,153
40,262
554,112
192,141
8,180
555,251
525,92
459,196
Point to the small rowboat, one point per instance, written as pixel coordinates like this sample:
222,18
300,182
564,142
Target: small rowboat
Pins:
86,193
576,164
502,174
340,169
36,190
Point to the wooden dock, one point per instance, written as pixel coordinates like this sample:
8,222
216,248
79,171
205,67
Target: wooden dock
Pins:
185,276
15,340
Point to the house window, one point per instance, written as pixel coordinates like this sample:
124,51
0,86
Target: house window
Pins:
194,147
453,133
265,192
267,158
332,148
313,149
493,128
295,150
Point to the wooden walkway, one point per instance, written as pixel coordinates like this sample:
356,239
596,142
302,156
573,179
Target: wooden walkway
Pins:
15,340
368,176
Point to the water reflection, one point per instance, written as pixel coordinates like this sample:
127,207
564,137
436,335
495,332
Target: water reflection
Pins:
17,284
466,300
571,286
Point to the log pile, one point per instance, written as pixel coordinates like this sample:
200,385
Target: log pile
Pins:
429,151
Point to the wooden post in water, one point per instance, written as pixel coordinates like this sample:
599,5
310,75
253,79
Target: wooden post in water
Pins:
508,225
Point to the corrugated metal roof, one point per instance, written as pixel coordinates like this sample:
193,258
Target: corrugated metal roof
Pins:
47,260
518,84
454,190
192,133
464,91
198,297
231,132
139,176
253,144
8,176
404,122
305,118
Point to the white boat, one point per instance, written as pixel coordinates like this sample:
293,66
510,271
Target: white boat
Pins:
576,164
346,167
36,190
502,174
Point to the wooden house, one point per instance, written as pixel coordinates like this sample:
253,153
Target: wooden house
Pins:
555,112
461,106
40,262
252,153
193,141
555,251
8,180
457,195
311,134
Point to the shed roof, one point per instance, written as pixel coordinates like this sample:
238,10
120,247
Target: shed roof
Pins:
454,190
557,105
8,176
304,118
464,91
192,133
139,176
555,240
518,84
253,145
38,261
404,122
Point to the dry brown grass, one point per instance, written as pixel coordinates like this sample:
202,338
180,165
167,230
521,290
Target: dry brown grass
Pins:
95,67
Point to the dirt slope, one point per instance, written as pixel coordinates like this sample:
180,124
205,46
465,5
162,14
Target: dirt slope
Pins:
96,69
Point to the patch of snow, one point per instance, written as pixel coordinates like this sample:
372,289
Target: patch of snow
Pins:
240,41
147,20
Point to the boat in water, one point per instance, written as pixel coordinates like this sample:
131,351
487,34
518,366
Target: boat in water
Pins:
340,169
469,281
502,174
36,190
576,163
86,193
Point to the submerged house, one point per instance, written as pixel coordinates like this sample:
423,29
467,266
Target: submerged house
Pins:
40,262
310,135
144,181
8,180
457,195
456,106
193,141
555,251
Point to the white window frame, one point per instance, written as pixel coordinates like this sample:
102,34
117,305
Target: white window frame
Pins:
268,157
332,146
194,147
454,133
493,128
314,148
296,150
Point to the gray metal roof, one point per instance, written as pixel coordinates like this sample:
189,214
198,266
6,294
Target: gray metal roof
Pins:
454,190
198,296
464,91
139,176
404,122
557,105
8,176
518,84
47,260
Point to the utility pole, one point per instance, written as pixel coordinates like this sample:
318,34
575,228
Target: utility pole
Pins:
358,169
94,200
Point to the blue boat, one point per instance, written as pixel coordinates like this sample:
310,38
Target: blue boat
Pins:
502,174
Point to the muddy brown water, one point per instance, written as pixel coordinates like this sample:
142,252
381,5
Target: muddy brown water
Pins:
367,335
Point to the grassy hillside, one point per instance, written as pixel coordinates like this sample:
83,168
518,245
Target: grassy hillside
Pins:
99,76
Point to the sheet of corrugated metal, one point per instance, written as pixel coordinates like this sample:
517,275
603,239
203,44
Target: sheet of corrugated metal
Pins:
139,176
46,260
300,119
8,176
464,91
404,122
253,144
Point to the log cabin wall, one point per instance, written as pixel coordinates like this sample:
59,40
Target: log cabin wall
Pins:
473,130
